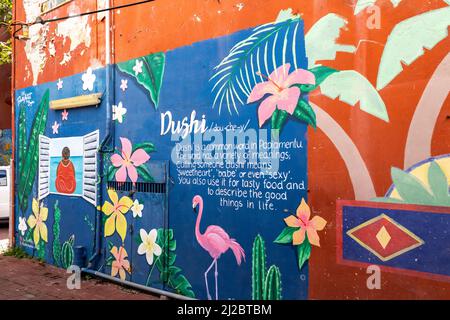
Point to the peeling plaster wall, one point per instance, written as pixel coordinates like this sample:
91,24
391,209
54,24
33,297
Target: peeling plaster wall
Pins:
56,43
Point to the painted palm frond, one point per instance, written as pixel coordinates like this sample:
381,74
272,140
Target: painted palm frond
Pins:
320,41
269,46
407,41
352,87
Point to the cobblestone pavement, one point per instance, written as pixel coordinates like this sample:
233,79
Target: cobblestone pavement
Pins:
27,279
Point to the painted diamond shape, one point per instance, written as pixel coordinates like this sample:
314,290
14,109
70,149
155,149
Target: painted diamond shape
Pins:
384,237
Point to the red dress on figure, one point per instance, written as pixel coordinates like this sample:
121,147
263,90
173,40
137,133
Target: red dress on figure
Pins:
65,177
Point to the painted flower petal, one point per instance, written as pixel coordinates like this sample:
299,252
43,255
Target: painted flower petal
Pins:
152,235
318,223
43,231
123,253
288,99
35,207
300,76
157,250
36,236
121,226
266,108
32,221
116,160
132,173
107,208
114,252
114,270
113,196
126,265
126,147
142,249
260,90
125,203
43,213
298,237
122,274
121,174
139,157
110,226
149,257
292,221
143,235
303,211
313,237
280,74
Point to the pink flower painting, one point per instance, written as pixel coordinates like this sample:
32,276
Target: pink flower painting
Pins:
128,161
282,90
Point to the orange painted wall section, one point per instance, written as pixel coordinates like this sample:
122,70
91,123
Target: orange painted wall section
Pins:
166,24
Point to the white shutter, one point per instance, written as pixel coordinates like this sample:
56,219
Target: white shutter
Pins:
90,146
44,167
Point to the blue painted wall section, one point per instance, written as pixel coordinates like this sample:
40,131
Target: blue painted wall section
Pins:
264,201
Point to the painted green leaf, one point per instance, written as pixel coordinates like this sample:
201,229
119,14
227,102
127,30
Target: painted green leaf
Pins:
303,253
321,73
168,272
146,146
22,136
144,173
111,173
438,184
29,169
305,113
278,119
152,73
285,236
410,188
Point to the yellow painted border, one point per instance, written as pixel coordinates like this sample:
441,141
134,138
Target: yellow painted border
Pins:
368,222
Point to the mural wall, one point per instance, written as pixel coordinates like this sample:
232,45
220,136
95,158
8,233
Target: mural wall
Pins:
277,158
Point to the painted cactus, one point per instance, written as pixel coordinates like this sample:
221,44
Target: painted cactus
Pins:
56,234
258,268
28,169
272,285
67,253
266,285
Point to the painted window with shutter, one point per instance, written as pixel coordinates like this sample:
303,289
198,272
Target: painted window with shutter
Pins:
44,167
90,146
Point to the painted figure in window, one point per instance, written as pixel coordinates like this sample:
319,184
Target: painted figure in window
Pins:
65,174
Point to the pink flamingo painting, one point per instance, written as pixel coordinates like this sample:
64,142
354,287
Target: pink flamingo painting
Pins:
216,241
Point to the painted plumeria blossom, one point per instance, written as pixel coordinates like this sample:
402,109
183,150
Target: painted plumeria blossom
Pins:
36,221
22,225
88,80
137,209
138,67
120,263
283,94
128,161
149,247
118,112
116,214
308,227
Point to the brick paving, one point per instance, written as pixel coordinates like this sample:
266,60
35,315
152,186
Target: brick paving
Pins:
27,279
